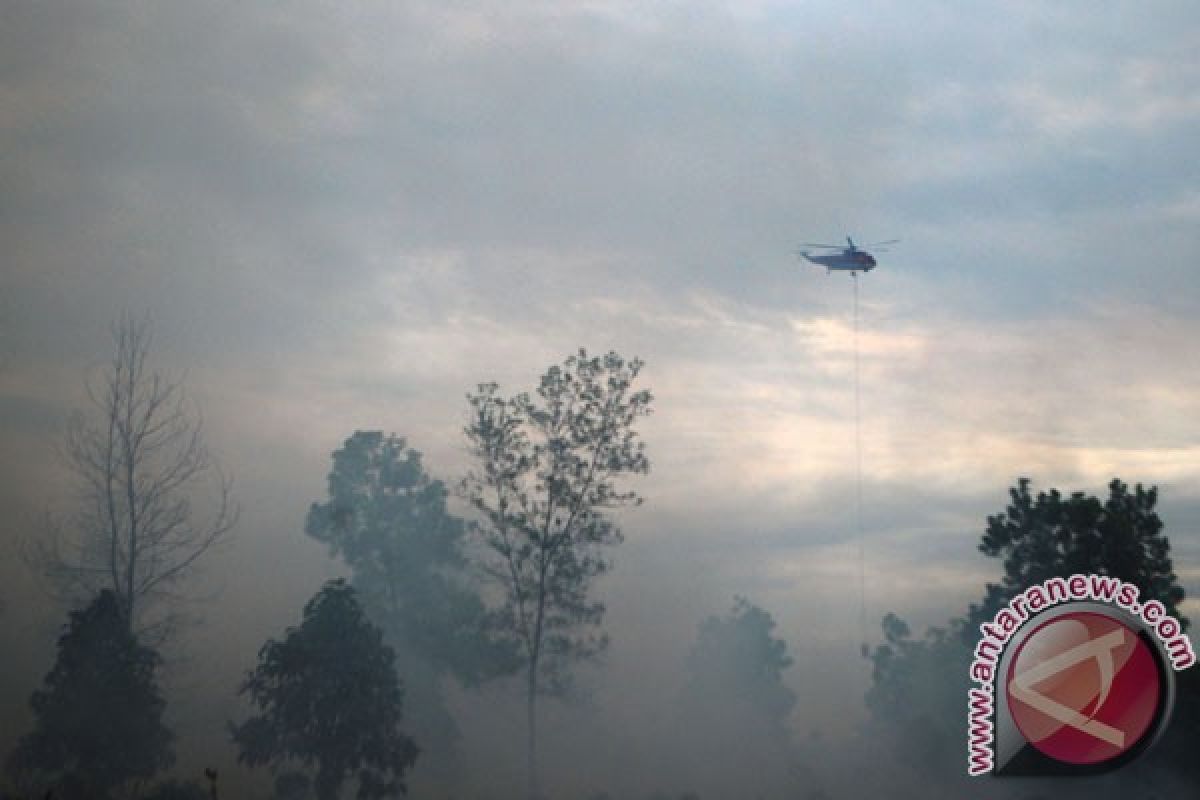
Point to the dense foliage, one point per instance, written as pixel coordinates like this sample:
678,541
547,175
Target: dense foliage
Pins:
1051,535
387,519
737,658
98,716
328,697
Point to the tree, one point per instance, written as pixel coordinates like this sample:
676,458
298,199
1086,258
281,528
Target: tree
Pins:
735,705
546,472
737,658
387,519
911,690
140,460
99,714
328,696
919,685
1054,536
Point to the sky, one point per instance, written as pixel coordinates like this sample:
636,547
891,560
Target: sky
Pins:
344,216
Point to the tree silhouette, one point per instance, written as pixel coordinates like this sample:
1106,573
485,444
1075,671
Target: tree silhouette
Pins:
328,697
918,691
735,706
141,463
737,658
99,714
387,519
1049,535
546,471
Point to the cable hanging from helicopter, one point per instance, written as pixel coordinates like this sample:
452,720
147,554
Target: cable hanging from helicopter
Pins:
853,259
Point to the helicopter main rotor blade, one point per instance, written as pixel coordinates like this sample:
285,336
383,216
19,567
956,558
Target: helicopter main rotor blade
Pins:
828,246
877,244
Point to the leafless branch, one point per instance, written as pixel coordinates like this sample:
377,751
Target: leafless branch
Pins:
140,463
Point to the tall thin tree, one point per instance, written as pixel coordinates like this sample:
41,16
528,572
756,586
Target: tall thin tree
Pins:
546,472
140,460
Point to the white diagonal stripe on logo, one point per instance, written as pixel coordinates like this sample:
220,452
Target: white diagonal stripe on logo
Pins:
1021,686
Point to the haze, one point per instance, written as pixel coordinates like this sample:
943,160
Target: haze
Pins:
345,216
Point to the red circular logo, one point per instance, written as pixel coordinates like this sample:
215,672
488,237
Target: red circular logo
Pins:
1083,688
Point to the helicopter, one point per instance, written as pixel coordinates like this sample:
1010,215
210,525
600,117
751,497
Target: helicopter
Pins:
851,259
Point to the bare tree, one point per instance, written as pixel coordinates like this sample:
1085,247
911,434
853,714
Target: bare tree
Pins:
140,461
547,471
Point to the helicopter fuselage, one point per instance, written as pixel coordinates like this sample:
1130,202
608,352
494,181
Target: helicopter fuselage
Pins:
848,260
